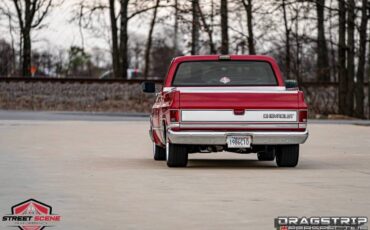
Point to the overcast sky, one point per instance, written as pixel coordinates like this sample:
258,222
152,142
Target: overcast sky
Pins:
61,33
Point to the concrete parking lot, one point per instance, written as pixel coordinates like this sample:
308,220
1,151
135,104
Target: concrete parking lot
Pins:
99,174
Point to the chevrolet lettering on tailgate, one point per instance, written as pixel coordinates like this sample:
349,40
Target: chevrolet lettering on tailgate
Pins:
236,103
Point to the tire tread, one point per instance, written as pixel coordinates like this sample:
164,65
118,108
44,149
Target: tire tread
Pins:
178,156
159,153
287,155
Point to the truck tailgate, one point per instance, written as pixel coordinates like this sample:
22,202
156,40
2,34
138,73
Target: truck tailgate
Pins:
239,108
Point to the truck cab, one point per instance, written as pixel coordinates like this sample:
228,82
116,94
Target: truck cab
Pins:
233,103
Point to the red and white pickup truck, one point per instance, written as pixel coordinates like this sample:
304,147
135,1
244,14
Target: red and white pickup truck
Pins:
236,103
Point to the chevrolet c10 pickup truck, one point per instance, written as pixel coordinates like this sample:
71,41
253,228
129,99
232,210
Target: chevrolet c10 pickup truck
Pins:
233,103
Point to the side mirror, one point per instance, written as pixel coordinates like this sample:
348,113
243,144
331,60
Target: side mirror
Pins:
291,84
148,87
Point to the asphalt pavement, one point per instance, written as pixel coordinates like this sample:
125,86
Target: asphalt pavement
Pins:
71,116
100,175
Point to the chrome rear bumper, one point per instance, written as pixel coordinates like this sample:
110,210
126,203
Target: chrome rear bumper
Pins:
219,138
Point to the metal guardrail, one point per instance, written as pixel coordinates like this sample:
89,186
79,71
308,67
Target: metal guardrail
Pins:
77,80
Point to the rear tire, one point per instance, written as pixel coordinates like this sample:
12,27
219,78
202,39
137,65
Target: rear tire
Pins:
159,153
287,155
267,155
177,155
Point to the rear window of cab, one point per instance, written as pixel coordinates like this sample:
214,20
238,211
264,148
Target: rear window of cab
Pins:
224,73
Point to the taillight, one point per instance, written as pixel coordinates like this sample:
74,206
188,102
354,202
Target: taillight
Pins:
172,98
168,97
174,115
303,116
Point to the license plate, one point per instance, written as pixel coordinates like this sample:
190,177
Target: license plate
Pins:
239,141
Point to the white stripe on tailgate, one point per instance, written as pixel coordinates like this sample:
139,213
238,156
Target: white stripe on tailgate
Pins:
234,89
229,116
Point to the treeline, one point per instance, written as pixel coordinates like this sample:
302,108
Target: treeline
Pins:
313,40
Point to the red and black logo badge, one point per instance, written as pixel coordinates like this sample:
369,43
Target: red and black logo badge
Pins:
31,215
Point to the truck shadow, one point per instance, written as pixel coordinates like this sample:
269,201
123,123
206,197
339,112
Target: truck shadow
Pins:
246,164
116,163
230,164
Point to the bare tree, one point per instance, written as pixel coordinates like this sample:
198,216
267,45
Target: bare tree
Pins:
208,30
248,9
30,14
323,69
297,37
368,81
176,26
333,49
195,27
161,51
149,40
359,88
119,15
342,70
6,59
117,70
224,28
124,37
350,57
11,54
287,38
